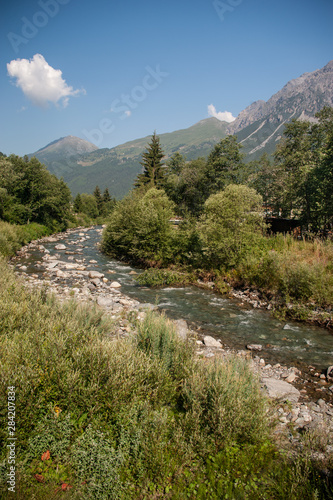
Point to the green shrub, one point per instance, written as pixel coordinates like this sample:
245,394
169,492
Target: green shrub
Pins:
161,277
231,226
139,228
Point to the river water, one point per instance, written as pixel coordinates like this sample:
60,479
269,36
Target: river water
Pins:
235,324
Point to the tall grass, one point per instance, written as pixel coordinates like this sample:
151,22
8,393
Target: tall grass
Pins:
136,418
293,270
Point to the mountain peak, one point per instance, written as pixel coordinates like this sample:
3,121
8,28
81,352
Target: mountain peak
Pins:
306,94
67,146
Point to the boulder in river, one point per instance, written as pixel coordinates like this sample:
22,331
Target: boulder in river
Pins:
61,246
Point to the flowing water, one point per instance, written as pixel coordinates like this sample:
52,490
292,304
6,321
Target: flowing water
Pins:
235,324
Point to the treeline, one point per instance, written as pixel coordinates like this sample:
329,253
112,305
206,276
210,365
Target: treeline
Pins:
94,205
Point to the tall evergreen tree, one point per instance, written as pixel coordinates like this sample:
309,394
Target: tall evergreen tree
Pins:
106,196
225,165
98,198
78,203
153,168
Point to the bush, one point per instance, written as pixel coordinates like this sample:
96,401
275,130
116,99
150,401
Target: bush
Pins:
231,226
139,228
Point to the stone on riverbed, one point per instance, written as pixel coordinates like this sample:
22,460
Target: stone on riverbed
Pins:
115,284
329,373
95,274
211,342
105,302
278,389
61,246
254,347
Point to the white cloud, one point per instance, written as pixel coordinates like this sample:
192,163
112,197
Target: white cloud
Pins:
40,82
224,116
128,112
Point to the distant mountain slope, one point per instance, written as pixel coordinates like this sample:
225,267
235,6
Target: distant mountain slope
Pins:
58,153
260,126
116,168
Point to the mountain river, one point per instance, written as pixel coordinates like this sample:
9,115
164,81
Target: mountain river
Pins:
235,323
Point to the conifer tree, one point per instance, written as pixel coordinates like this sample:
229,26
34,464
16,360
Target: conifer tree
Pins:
98,198
153,168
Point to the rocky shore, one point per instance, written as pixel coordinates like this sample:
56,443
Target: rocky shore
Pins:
301,400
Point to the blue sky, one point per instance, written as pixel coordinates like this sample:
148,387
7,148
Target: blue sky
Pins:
110,71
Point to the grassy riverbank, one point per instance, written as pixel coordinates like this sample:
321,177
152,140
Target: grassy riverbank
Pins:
294,277
13,237
135,418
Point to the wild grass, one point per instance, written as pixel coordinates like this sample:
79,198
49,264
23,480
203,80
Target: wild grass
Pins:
300,271
136,418
13,237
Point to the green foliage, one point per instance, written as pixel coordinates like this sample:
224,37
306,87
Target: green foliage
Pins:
31,194
188,189
231,224
13,237
298,271
161,277
89,205
225,165
139,228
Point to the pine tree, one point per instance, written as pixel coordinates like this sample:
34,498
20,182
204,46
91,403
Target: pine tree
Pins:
106,196
78,203
153,168
98,198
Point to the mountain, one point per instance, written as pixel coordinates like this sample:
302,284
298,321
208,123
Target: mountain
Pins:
260,126
57,153
117,168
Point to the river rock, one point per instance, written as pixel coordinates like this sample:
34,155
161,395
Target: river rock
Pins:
96,281
254,347
211,342
278,389
132,273
61,246
291,377
115,284
329,373
181,328
105,302
95,274
51,265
